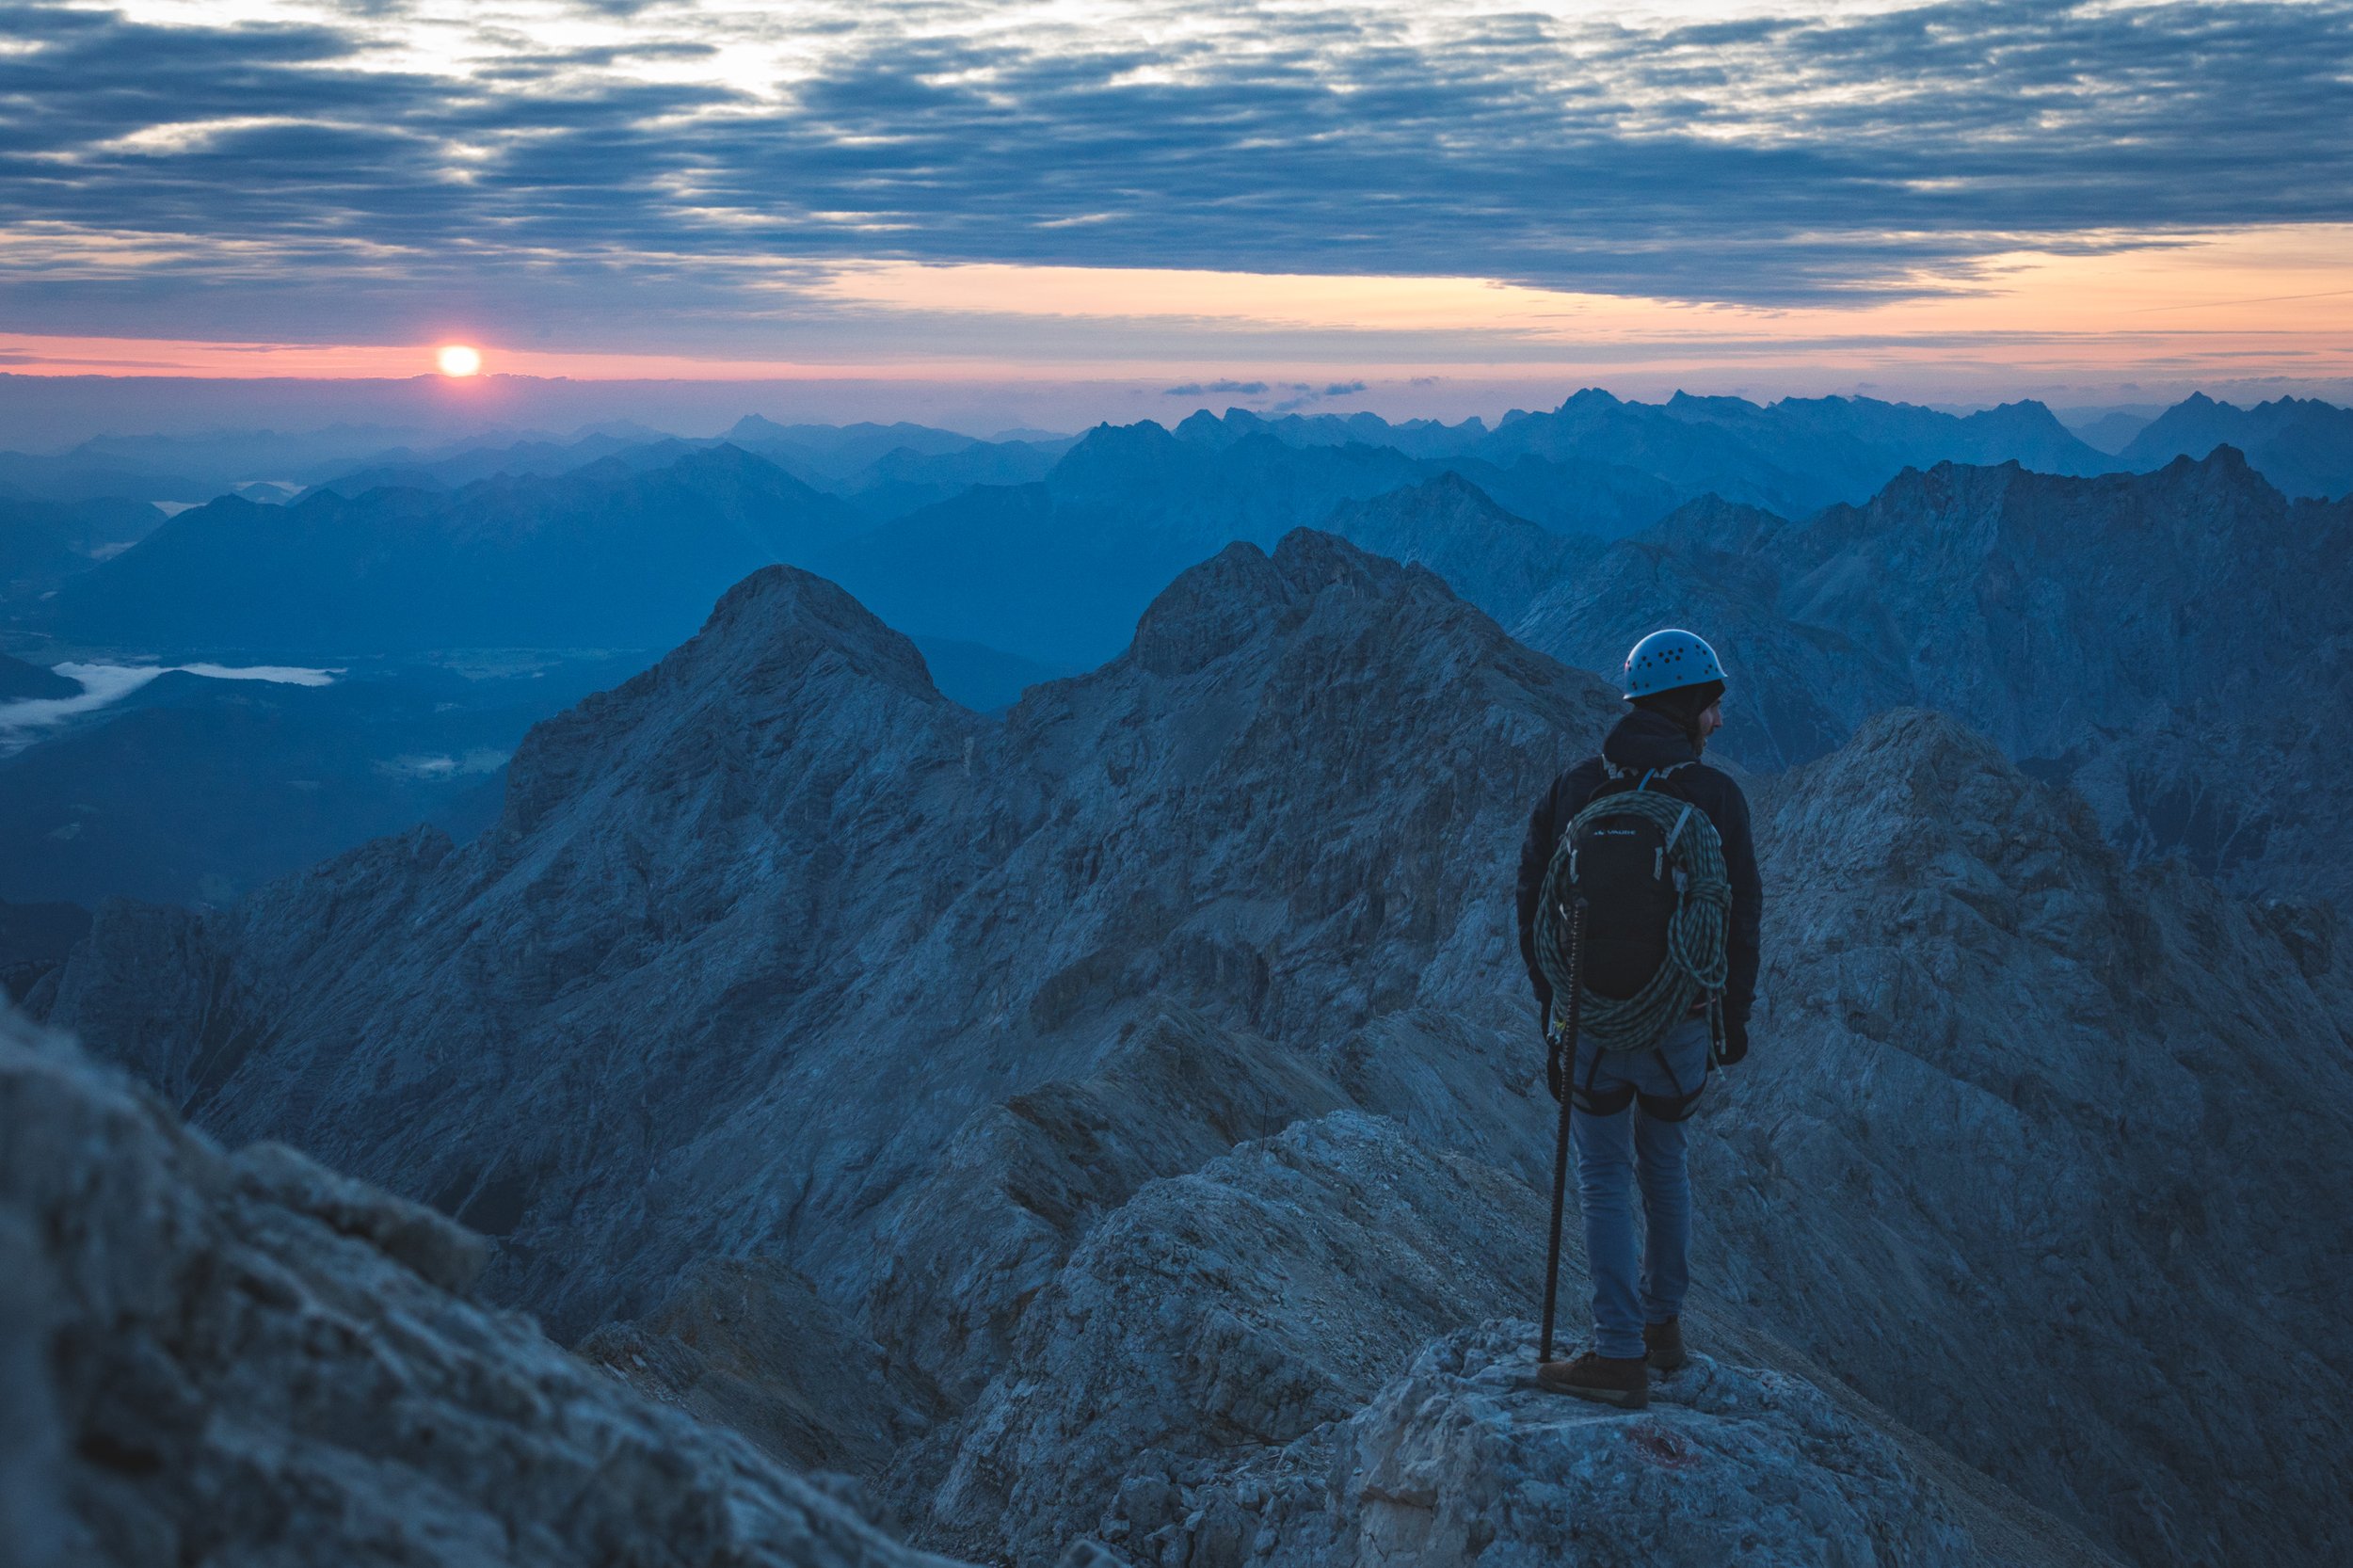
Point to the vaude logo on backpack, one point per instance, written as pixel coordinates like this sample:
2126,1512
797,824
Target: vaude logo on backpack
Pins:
1650,867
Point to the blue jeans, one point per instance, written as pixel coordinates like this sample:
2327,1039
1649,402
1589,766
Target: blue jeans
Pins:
1612,1154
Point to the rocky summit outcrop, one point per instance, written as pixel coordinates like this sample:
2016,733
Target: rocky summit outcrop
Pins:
2176,642
1263,1362
216,1358
1243,1304
2034,1158
245,1358
1462,1459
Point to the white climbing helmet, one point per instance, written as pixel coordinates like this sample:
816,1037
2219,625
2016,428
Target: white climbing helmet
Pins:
1665,660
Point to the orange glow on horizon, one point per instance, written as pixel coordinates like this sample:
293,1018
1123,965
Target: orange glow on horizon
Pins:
2221,308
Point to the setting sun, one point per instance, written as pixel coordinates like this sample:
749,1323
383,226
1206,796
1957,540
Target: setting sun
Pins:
459,359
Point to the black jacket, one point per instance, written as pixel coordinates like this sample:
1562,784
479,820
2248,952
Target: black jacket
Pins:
1643,740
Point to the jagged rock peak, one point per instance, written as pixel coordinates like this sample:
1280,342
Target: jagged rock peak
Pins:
1242,593
2225,461
781,609
1712,521
782,643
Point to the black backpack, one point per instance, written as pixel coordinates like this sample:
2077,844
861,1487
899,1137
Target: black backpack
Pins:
1616,861
1648,866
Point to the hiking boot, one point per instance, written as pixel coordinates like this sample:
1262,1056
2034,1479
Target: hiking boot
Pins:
1623,1381
1663,1345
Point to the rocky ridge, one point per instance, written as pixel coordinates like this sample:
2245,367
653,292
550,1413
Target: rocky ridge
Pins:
1498,560
2029,1110
779,872
1167,1033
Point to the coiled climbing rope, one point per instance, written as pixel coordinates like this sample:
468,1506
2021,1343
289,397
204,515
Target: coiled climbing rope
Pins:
1696,964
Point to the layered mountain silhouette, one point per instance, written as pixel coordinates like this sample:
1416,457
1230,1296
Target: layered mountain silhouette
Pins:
1058,572
2174,641
45,542
1143,1084
605,556
1792,456
2302,445
883,471
1798,454
2146,636
184,470
406,469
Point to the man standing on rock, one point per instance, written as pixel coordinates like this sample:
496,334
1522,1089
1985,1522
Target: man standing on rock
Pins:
1627,1106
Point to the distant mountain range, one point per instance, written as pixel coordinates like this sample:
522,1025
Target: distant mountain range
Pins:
1795,455
2120,628
2303,446
2171,641
885,471
45,542
603,556
1041,553
1798,454
1791,456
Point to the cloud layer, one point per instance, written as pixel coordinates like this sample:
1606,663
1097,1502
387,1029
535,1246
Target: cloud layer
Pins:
692,172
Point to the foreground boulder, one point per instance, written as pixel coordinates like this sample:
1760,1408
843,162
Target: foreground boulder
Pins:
247,1359
1464,1460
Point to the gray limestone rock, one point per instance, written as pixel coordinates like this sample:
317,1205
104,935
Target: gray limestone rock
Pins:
1462,1459
973,1242
1260,1363
2031,1151
246,1359
747,1343
1271,1292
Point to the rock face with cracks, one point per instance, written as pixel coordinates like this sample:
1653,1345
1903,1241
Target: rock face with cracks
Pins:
2033,1149
244,1358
